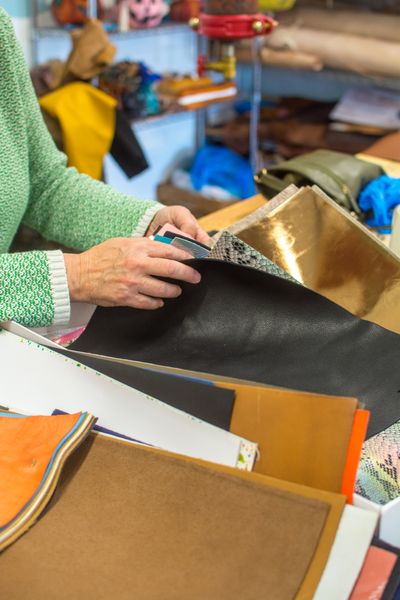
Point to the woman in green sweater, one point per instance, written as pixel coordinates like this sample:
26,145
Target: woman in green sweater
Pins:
117,265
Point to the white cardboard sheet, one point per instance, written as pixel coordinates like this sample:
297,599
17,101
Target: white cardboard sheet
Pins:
37,380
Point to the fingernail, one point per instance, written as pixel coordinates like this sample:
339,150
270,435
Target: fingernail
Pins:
197,278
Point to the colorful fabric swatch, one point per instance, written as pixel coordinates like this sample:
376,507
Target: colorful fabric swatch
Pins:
378,477
33,451
230,248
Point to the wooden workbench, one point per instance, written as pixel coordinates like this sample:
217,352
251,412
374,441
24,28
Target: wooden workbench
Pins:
227,216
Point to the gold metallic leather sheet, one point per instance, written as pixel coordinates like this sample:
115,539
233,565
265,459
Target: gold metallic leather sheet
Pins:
326,249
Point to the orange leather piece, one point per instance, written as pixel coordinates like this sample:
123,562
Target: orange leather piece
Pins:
357,439
26,447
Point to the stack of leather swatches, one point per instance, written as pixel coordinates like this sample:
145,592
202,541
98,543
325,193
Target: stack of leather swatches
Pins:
230,426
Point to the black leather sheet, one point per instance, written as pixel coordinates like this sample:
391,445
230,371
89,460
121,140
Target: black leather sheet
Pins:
202,400
244,323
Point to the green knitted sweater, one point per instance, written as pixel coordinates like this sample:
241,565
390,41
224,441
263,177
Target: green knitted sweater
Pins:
38,189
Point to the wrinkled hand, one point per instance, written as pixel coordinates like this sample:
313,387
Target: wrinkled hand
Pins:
182,218
124,271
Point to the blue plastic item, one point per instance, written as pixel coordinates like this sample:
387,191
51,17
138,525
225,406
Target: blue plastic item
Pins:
219,166
381,196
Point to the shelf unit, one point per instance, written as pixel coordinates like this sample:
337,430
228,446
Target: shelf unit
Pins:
57,34
40,33
169,26
171,46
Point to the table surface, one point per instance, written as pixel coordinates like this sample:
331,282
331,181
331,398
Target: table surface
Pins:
231,214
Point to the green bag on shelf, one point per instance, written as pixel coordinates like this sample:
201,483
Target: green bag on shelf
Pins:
341,176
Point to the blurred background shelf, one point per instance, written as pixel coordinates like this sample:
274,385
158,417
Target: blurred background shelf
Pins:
326,85
168,27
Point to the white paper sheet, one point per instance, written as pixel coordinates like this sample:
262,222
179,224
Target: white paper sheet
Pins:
369,106
353,538
37,380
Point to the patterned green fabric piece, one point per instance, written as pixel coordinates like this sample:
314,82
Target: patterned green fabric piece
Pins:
378,477
27,272
38,189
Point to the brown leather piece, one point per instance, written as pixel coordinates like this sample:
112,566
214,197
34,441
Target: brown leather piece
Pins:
91,52
130,522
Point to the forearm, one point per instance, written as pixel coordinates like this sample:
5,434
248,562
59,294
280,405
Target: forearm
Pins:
79,212
64,205
33,288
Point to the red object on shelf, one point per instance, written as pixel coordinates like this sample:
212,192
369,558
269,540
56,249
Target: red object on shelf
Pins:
183,10
201,65
72,12
233,27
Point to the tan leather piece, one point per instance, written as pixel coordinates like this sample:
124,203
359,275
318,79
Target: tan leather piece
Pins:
91,52
230,214
366,56
255,406
131,522
26,448
348,21
302,437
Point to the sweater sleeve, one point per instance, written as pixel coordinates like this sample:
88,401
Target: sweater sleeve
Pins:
33,288
64,205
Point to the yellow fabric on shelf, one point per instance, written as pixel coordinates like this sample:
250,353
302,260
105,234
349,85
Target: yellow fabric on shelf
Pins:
87,120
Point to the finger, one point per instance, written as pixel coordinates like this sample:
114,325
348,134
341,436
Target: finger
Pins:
189,225
172,269
184,220
159,289
144,302
152,227
160,250
202,237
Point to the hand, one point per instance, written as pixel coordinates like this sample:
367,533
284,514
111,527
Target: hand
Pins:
124,271
182,218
